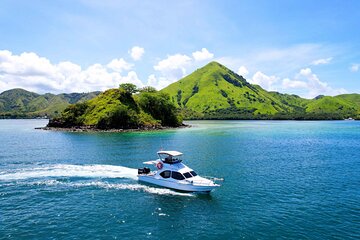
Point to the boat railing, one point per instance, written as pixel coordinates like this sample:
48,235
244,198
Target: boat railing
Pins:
206,182
200,182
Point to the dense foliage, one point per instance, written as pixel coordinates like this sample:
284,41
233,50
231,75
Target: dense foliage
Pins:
158,105
121,109
129,87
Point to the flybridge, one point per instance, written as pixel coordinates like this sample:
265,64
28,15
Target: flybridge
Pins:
170,157
171,153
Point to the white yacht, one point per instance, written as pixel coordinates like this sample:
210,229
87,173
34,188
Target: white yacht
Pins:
172,173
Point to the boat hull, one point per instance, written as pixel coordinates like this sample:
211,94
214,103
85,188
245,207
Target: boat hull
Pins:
184,187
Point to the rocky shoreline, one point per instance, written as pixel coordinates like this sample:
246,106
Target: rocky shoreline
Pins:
93,129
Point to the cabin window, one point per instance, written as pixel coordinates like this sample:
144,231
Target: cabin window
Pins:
165,174
187,175
177,176
193,173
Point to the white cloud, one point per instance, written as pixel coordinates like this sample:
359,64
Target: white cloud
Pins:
202,55
287,83
158,83
316,87
25,64
355,67
322,61
306,72
242,71
266,82
132,77
118,65
174,66
136,53
152,81
35,73
282,61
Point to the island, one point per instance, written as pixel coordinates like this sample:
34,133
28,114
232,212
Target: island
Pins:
210,92
120,109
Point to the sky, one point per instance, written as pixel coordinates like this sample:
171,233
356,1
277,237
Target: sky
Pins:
303,47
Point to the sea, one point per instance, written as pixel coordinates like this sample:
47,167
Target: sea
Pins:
279,180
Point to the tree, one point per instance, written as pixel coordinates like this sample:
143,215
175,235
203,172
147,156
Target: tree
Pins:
159,106
129,87
149,89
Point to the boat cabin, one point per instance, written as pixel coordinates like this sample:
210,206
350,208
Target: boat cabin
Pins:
170,157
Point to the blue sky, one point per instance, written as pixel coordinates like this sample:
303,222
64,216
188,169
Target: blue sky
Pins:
302,47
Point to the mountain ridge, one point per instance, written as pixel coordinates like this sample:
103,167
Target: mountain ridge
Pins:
216,92
20,103
210,92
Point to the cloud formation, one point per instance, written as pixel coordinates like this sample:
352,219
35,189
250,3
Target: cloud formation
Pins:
287,83
35,73
30,71
311,83
355,67
158,83
242,71
136,53
176,66
265,81
171,69
118,65
202,55
322,61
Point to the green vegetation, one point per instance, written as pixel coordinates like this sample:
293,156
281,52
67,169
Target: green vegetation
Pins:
215,92
211,92
121,109
129,87
19,103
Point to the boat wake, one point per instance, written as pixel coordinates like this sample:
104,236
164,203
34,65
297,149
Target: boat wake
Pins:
44,176
117,186
67,170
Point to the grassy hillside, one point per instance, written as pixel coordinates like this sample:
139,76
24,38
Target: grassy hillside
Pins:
211,92
16,100
336,106
21,103
215,92
120,109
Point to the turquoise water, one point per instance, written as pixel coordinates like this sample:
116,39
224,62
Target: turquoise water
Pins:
283,179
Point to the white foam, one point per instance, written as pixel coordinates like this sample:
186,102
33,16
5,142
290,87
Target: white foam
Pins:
118,186
67,170
83,171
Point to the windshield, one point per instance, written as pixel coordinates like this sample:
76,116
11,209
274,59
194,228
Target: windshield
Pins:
187,175
193,173
177,176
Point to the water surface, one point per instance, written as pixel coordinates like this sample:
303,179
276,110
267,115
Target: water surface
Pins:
283,179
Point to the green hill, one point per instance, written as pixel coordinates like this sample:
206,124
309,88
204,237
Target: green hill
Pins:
353,98
120,109
216,92
339,107
211,92
19,103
